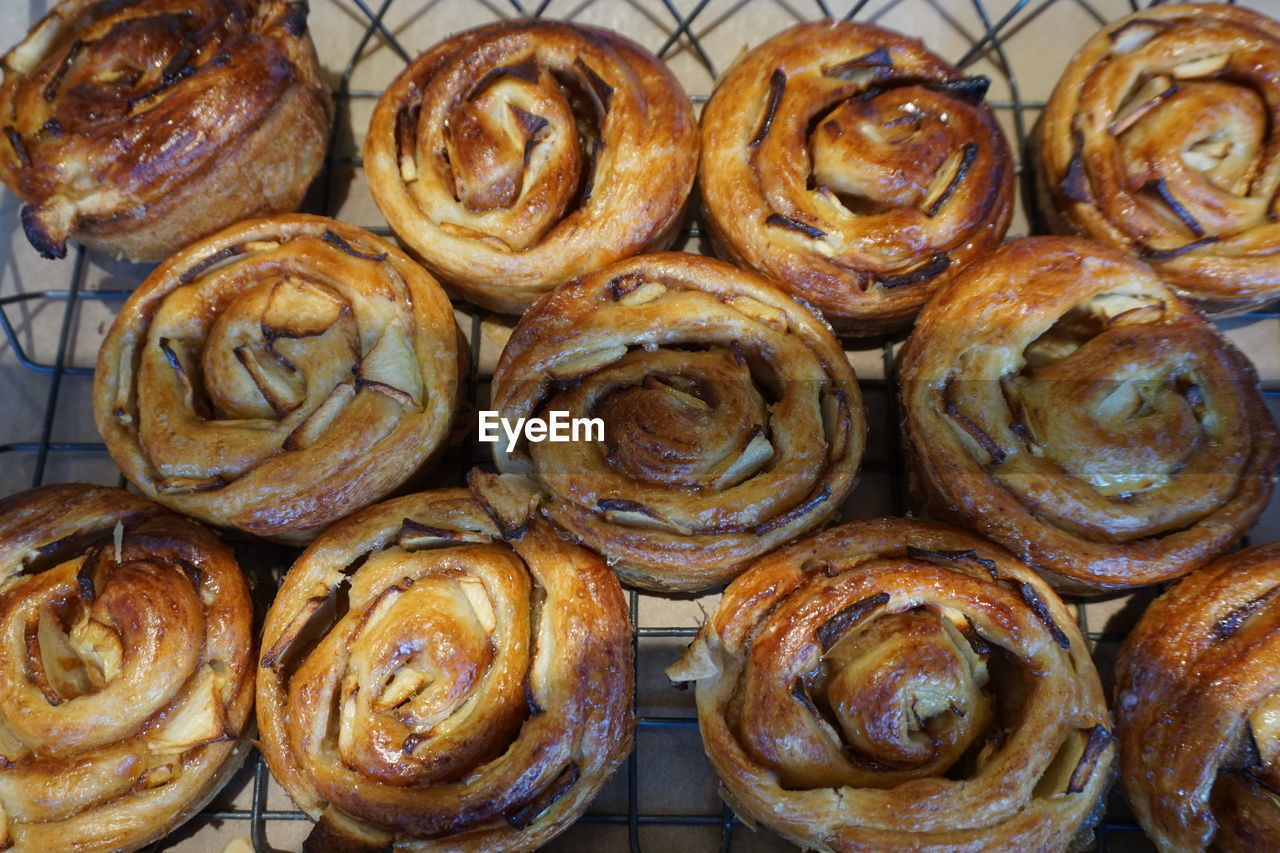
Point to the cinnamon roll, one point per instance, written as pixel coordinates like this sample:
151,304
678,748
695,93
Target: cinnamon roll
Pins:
139,127
1160,140
278,376
126,678
855,167
1063,402
520,154
896,685
729,418
1198,708
443,672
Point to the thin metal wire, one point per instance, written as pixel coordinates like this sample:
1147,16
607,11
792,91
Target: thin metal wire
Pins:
258,816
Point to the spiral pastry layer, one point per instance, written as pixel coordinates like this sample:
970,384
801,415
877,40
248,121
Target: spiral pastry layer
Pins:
894,685
126,677
1160,140
279,375
443,672
732,421
1063,402
855,167
138,127
518,155
1198,708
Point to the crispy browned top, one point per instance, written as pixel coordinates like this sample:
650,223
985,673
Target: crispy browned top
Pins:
279,375
1198,708
1160,140
112,106
126,649
1062,401
732,419
855,167
518,155
441,671
894,685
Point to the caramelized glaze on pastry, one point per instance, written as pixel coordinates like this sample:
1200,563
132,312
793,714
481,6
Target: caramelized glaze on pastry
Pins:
442,672
1160,140
1198,708
732,421
855,167
1063,402
126,677
138,127
278,376
518,155
895,685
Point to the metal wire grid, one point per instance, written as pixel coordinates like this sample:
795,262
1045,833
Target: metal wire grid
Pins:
267,562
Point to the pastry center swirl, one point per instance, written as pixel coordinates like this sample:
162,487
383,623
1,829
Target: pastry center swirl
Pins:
681,418
905,694
269,346
421,660
882,151
511,149
422,680
1113,422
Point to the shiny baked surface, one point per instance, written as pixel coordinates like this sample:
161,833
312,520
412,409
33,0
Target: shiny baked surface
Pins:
1198,708
897,685
138,127
445,673
516,156
1160,140
279,375
733,422
126,677
856,168
1063,402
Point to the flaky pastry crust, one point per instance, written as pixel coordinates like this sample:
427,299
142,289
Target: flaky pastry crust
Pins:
471,692
518,155
1063,402
126,676
894,685
1160,139
279,375
1198,708
732,419
138,127
854,167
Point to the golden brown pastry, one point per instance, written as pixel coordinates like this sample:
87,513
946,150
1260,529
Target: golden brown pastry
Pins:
518,155
855,167
1160,140
472,691
731,418
126,676
1063,402
137,127
278,376
894,685
1198,709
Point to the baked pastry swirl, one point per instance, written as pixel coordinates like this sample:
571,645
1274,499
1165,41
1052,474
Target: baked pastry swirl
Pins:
731,418
1198,708
518,155
896,685
1160,140
1063,402
279,375
472,691
138,127
855,167
126,677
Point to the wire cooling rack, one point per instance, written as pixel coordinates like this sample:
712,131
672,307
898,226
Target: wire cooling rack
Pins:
665,797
